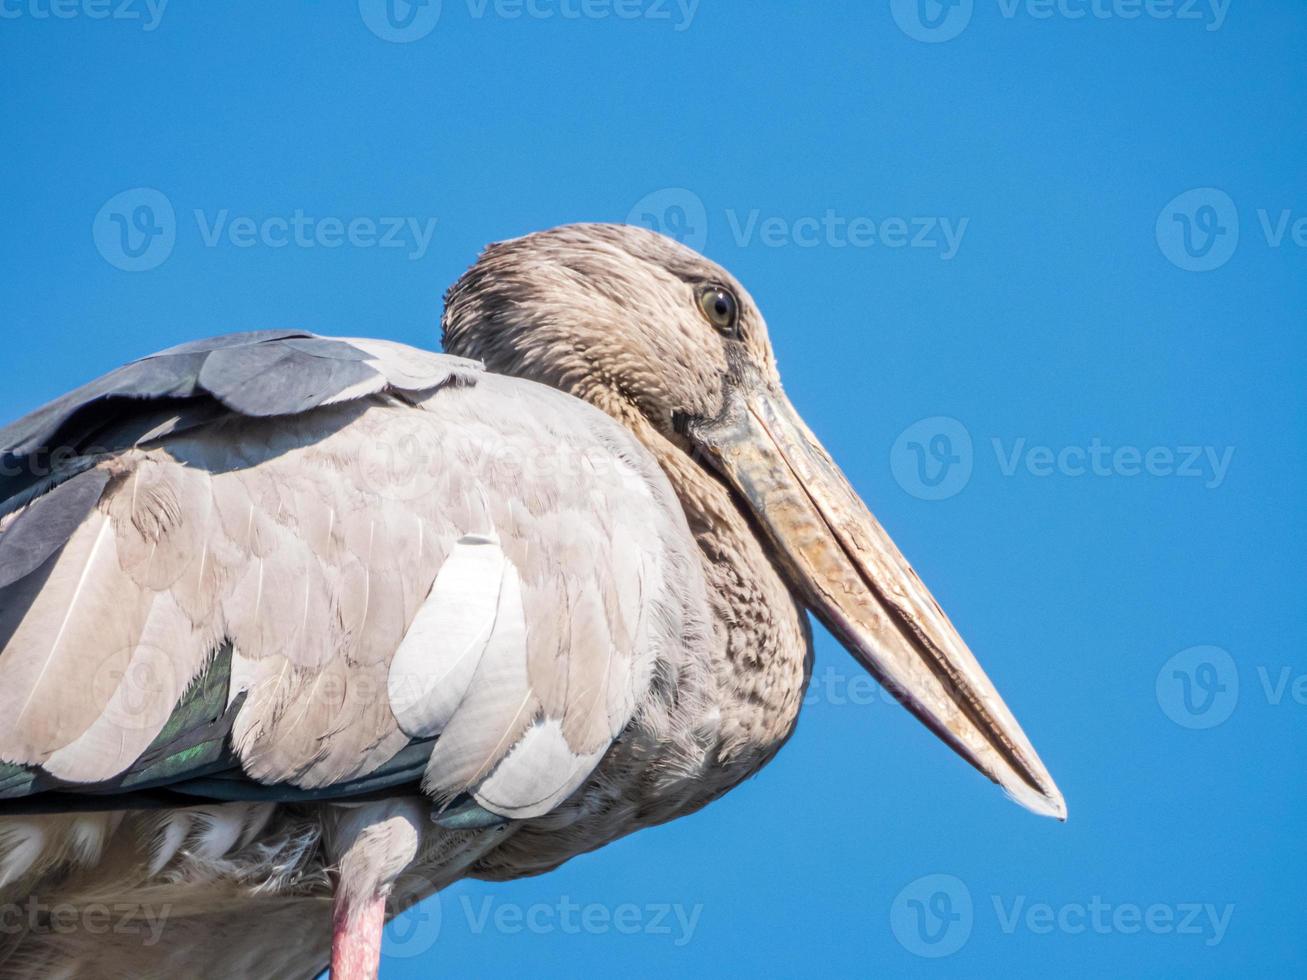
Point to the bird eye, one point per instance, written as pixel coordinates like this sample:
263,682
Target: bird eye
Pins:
719,306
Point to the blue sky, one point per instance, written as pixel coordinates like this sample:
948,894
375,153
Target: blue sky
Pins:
1034,270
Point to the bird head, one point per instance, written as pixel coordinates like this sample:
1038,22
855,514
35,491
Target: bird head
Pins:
616,315
673,346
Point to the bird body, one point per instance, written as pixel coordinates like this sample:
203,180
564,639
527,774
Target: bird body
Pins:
295,630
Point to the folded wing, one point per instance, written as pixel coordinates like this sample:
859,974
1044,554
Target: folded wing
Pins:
284,566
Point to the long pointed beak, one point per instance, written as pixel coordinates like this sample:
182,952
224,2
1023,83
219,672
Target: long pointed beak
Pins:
860,586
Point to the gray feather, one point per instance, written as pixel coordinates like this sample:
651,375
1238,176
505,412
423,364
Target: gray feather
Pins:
154,377
239,339
43,528
277,378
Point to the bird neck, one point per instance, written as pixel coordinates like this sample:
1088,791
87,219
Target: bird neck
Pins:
762,644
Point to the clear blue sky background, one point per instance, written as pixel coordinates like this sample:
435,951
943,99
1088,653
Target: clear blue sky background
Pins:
1072,309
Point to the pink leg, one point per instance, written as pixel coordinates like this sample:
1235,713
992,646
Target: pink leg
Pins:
356,939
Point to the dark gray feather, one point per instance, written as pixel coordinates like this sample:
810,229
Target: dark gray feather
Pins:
207,344
259,373
278,379
47,524
154,377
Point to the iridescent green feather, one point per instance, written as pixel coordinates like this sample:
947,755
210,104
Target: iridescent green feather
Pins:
181,748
